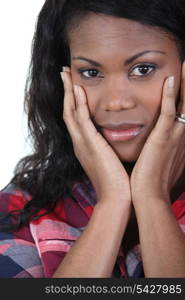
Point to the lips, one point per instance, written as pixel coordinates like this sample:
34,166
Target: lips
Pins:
121,132
121,126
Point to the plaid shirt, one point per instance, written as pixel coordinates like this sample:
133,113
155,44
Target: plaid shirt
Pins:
37,249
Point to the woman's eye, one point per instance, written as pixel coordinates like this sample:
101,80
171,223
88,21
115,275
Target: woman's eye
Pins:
90,73
142,70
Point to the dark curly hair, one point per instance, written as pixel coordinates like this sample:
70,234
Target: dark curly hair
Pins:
51,170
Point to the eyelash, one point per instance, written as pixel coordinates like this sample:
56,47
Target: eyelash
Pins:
145,65
82,71
152,67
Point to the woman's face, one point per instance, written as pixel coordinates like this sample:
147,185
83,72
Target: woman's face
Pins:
122,66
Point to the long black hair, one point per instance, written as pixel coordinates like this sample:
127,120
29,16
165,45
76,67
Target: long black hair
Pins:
51,170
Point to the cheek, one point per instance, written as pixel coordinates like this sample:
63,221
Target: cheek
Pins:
148,96
151,99
153,113
93,99
151,102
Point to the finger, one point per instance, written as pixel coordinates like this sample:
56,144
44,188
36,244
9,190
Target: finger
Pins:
69,106
67,69
180,127
81,102
82,112
168,110
181,108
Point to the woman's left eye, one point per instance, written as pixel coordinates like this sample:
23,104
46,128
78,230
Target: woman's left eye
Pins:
142,70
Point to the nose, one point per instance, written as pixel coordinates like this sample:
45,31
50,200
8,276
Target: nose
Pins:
119,95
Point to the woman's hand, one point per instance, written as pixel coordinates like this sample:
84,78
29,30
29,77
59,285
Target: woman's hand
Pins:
162,159
96,156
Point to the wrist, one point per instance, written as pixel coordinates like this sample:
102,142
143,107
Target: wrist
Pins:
150,196
148,203
114,205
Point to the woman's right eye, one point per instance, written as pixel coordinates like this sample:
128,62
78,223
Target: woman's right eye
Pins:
89,73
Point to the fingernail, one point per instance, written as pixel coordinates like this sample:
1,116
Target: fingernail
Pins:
66,69
62,76
171,81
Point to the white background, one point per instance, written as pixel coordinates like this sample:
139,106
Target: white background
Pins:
17,25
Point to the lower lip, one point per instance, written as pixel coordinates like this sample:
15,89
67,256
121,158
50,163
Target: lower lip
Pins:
122,135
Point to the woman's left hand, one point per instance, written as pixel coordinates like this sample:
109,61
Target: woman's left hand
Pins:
162,158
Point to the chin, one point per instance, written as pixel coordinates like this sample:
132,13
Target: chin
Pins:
128,154
128,158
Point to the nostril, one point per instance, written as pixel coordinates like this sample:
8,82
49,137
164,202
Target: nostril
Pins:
120,104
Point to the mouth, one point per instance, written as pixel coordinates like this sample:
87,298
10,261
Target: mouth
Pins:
124,132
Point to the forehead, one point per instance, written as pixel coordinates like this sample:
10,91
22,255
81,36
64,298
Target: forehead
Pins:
100,33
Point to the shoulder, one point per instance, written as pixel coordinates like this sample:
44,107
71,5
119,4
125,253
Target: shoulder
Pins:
18,253
56,232
46,240
13,198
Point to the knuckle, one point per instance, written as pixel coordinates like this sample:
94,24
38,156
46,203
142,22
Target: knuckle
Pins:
69,91
76,142
168,114
68,113
79,118
170,94
65,117
82,122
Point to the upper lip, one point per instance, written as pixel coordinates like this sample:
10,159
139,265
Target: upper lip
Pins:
120,126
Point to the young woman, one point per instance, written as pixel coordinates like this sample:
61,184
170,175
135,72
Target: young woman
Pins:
103,193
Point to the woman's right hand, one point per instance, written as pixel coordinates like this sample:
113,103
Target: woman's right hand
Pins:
96,156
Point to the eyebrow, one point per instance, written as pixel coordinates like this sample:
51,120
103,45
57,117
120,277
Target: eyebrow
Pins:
127,62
